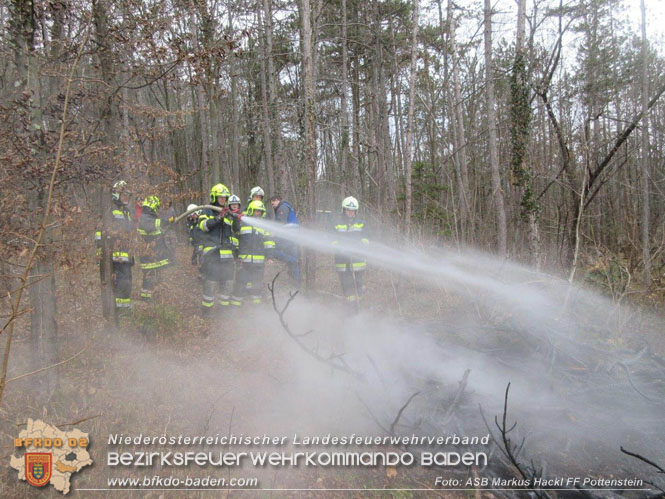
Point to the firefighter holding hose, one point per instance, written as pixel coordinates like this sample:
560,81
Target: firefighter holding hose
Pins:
216,248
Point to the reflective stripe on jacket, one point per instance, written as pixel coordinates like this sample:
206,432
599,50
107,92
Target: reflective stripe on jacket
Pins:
255,245
350,230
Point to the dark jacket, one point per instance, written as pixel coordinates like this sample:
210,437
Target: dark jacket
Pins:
255,244
217,233
155,253
350,230
119,232
194,232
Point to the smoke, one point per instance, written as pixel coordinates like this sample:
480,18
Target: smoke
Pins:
581,369
582,383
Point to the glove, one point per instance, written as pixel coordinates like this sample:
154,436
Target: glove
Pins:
171,220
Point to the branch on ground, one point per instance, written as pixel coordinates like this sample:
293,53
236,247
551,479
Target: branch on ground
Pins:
334,361
650,463
512,451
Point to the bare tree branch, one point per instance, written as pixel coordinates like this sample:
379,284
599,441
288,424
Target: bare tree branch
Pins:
399,414
334,361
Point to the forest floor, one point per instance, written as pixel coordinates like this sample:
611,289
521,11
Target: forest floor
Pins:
168,371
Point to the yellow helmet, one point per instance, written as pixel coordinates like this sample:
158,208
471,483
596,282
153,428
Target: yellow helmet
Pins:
256,206
152,202
219,191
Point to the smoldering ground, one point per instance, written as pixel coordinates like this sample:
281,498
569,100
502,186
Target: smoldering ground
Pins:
583,383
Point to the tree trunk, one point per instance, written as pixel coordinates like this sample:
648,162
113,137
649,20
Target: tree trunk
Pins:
410,125
279,164
497,192
520,118
459,135
310,131
644,162
344,143
235,131
357,178
265,111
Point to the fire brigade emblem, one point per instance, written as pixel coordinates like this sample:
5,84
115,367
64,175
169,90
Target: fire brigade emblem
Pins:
49,455
38,468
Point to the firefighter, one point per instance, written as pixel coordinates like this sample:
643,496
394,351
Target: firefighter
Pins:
119,241
155,256
256,194
194,232
255,247
216,249
350,267
234,204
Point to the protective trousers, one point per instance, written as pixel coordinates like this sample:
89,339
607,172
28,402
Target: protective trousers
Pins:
217,280
122,287
249,283
352,286
151,278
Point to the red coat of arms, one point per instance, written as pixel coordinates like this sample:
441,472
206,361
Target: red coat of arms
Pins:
38,468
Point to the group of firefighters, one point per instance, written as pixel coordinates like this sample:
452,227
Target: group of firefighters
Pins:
230,250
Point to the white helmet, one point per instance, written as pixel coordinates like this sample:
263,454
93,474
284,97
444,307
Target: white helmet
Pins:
191,207
118,188
234,200
256,191
350,203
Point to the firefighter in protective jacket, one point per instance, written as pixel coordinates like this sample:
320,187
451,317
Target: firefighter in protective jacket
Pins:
119,241
216,248
255,247
155,253
350,266
194,232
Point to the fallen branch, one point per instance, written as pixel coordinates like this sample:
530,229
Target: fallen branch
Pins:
79,421
650,463
335,361
511,451
399,414
371,414
51,366
643,459
462,386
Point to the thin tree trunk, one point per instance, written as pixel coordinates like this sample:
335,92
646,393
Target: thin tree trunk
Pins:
460,136
310,131
644,163
410,112
235,162
344,154
279,165
265,110
497,192
357,179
